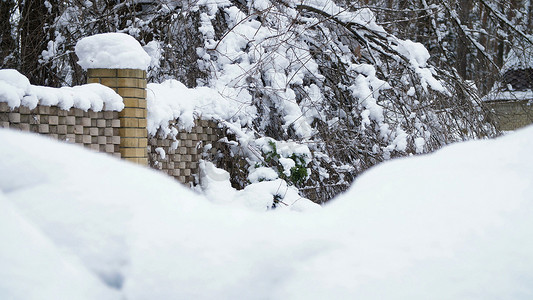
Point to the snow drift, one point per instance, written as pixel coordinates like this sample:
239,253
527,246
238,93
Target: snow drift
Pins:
456,224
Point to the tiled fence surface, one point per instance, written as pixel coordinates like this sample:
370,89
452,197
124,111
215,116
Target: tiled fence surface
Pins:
179,158
95,130
130,84
101,131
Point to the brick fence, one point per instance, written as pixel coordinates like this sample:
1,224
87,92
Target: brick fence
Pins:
131,86
95,130
121,134
181,156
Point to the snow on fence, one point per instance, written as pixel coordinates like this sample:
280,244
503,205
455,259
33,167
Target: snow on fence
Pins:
111,127
110,113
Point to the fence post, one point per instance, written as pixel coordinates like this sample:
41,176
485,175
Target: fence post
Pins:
131,85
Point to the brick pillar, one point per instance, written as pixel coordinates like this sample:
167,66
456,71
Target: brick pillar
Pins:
131,85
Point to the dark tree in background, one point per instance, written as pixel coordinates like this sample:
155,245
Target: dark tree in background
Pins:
470,39
8,31
33,38
26,32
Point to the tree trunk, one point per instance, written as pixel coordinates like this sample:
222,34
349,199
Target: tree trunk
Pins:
465,7
33,38
7,42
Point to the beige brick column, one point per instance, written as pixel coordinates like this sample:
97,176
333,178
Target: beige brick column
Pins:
131,85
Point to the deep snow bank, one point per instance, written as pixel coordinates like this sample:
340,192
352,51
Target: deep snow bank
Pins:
452,225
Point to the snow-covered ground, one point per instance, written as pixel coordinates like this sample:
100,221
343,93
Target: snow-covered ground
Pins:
456,224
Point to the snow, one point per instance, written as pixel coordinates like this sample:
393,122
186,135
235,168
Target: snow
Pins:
161,152
252,66
16,90
287,164
415,52
457,220
496,95
52,48
261,174
418,56
400,141
362,89
29,259
155,51
249,47
172,100
419,144
261,4
364,16
455,224
284,148
257,196
112,51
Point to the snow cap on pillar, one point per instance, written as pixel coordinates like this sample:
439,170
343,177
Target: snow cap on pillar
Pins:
111,51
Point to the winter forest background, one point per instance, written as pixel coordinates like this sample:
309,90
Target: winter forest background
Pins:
347,79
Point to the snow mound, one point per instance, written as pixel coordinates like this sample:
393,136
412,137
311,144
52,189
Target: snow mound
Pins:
111,51
16,90
29,259
451,225
456,224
